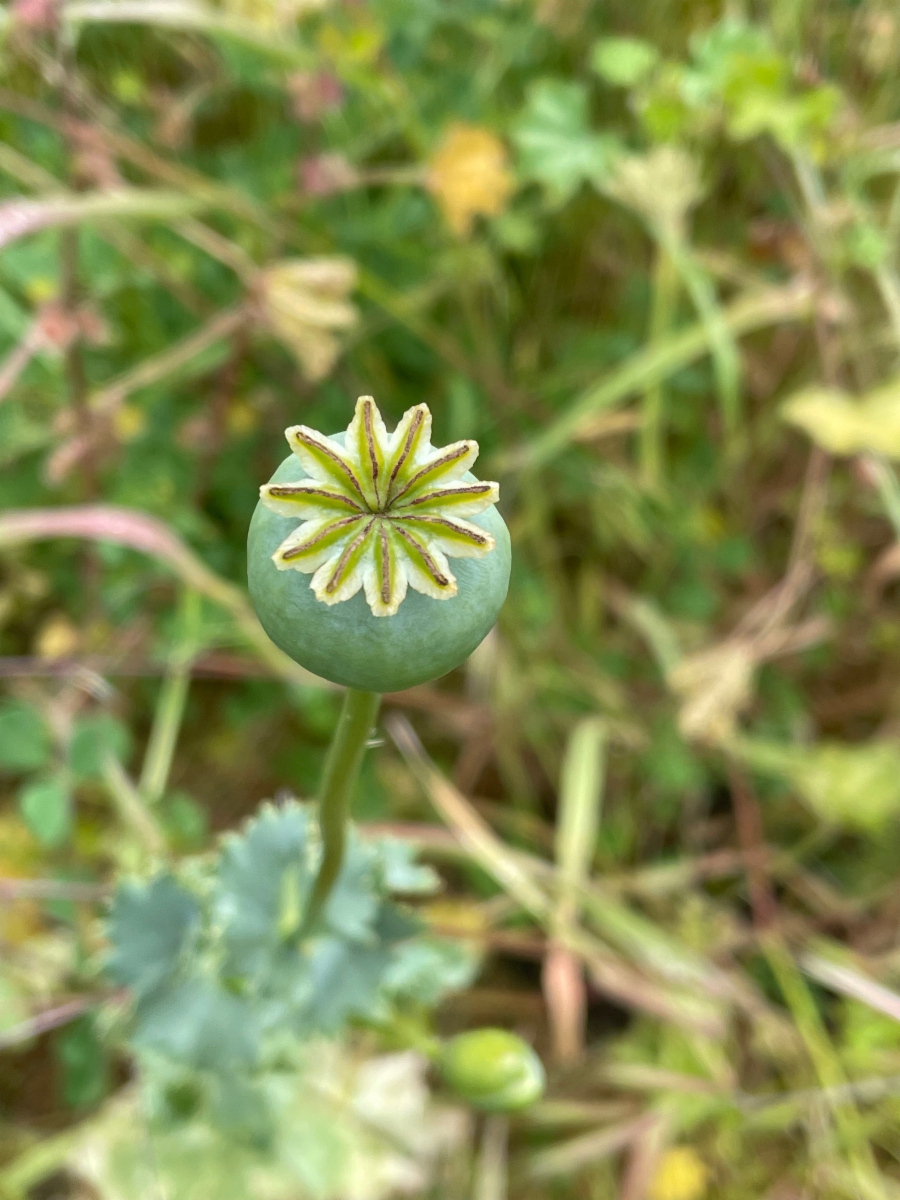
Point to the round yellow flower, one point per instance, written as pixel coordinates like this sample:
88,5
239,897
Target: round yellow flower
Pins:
681,1175
469,176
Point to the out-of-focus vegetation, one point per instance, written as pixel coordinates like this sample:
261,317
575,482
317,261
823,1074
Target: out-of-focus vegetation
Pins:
646,253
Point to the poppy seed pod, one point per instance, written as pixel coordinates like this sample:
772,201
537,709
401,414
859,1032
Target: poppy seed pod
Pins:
380,516
493,1070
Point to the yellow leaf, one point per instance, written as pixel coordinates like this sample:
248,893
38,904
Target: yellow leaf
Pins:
469,176
305,303
844,425
457,918
681,1175
856,785
19,858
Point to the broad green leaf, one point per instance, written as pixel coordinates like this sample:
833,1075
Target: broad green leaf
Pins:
151,925
735,57
198,1023
186,822
347,983
556,145
425,969
326,1125
855,786
24,738
46,808
400,871
95,739
348,979
84,1060
844,425
791,121
263,878
354,900
623,61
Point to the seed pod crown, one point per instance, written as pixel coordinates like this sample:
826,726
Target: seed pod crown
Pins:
382,512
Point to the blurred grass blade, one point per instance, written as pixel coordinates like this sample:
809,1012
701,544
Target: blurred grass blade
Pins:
580,798
170,361
587,1149
137,531
653,365
282,46
171,702
576,834
847,982
726,360
491,1168
21,217
662,317
608,973
131,807
473,832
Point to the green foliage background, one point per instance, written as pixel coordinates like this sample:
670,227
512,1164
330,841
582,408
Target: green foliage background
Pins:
647,255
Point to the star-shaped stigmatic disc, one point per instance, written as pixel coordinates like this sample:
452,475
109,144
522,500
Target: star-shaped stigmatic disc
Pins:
381,512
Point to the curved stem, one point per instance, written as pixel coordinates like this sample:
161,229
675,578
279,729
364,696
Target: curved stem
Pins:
338,778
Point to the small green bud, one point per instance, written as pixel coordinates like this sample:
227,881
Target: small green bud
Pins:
362,592
493,1070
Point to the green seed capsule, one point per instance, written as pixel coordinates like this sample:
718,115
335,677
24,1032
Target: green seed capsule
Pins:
493,1070
362,592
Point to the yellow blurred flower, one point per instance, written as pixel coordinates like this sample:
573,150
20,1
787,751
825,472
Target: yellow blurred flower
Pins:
469,176
129,422
681,1175
40,289
56,638
241,418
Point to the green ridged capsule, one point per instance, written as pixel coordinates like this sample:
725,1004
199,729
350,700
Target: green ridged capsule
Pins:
362,591
493,1070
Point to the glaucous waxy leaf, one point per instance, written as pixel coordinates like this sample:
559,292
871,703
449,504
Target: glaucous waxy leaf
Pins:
150,926
380,517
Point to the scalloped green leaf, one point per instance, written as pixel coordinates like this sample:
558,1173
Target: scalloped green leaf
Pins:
263,878
151,925
24,738
197,1022
93,740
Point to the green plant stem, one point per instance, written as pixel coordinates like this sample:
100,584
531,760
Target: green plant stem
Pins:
665,296
338,778
171,703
